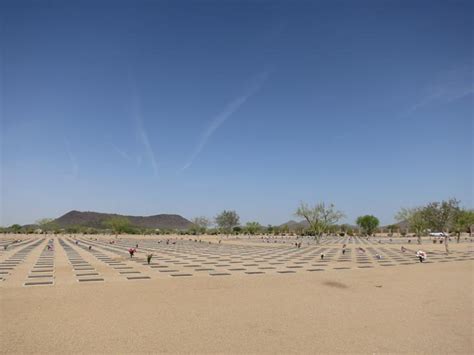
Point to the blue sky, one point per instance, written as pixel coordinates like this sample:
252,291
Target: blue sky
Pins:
192,107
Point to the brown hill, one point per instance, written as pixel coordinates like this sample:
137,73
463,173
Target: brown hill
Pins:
99,220
293,225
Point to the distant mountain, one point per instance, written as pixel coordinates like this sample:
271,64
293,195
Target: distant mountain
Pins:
293,225
403,225
98,220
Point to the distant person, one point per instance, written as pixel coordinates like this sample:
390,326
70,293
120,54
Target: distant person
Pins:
148,258
322,256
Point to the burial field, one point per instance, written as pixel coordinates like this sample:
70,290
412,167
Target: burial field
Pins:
79,293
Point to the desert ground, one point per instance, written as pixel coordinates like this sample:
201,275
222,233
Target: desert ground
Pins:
85,294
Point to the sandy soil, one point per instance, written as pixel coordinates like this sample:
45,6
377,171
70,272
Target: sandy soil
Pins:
420,308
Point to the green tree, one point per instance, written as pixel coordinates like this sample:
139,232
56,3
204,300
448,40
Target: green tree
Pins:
344,228
15,228
276,230
237,230
227,220
253,227
416,220
285,229
368,223
464,223
441,216
119,225
319,217
47,224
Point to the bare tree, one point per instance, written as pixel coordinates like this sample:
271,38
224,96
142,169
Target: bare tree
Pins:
201,223
43,221
320,217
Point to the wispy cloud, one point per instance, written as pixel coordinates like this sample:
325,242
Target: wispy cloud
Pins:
119,151
141,132
225,114
447,87
72,159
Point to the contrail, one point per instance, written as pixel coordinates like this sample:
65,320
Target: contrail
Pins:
142,134
224,115
448,87
72,159
119,151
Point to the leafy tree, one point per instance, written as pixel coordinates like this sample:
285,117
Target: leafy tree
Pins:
464,223
73,229
237,230
441,216
320,217
269,229
368,223
344,228
15,228
416,220
213,231
276,230
227,220
253,227
119,225
391,228
285,229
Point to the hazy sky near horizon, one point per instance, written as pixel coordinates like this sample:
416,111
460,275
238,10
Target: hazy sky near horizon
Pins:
192,107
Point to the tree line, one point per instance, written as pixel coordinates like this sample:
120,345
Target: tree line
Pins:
321,219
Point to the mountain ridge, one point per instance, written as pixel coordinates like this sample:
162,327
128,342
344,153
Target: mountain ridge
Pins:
98,220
